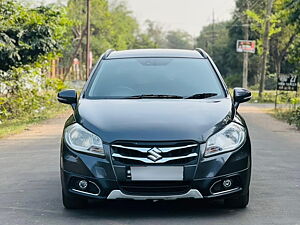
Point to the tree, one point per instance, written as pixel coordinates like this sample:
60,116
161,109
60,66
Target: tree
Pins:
156,33
161,38
112,26
285,38
179,39
293,8
222,39
28,34
283,34
293,53
142,40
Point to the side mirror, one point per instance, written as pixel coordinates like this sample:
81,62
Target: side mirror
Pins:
240,95
68,97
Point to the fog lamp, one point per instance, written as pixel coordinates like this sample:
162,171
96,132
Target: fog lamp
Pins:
227,183
83,184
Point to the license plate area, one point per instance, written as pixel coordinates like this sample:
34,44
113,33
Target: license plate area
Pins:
156,173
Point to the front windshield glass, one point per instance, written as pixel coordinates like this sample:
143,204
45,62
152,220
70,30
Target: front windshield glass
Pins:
122,78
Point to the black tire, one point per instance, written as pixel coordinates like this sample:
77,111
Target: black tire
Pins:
73,202
238,201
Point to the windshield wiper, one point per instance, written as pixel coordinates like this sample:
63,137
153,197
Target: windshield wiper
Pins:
154,96
202,95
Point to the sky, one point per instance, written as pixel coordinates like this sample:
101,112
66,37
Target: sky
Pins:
188,15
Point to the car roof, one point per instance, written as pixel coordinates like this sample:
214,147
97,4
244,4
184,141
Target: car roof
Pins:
144,53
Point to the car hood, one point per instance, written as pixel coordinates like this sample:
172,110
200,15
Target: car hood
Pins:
154,119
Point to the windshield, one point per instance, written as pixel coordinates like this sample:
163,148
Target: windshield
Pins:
161,77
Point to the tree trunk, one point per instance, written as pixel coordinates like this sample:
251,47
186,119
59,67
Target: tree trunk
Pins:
277,66
246,56
265,49
74,54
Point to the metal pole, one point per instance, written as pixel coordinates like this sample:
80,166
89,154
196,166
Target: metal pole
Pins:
88,25
276,97
246,60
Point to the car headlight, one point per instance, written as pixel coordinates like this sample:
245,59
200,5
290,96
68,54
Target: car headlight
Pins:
80,139
228,139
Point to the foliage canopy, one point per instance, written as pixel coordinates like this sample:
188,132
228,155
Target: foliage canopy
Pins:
28,34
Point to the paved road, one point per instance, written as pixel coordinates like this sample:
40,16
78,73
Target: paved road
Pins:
30,185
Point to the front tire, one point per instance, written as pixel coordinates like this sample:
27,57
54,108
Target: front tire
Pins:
73,202
240,201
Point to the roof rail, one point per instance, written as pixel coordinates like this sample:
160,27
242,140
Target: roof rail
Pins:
202,52
107,53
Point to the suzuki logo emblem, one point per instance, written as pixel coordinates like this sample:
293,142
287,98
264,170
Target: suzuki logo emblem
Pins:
154,154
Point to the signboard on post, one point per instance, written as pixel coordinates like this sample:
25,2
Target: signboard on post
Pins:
245,46
287,82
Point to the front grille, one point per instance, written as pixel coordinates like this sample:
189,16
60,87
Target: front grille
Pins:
139,153
155,187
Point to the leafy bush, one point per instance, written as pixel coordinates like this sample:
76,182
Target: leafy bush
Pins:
270,82
29,95
295,117
233,81
282,98
291,116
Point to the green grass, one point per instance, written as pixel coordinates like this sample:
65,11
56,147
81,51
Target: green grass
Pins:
284,97
18,125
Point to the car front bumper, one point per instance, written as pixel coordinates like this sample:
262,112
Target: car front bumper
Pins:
199,178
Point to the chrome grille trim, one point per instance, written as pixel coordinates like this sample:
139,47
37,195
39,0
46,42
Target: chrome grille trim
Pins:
173,152
163,149
162,160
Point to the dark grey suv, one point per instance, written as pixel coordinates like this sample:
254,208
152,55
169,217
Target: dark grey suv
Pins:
155,124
